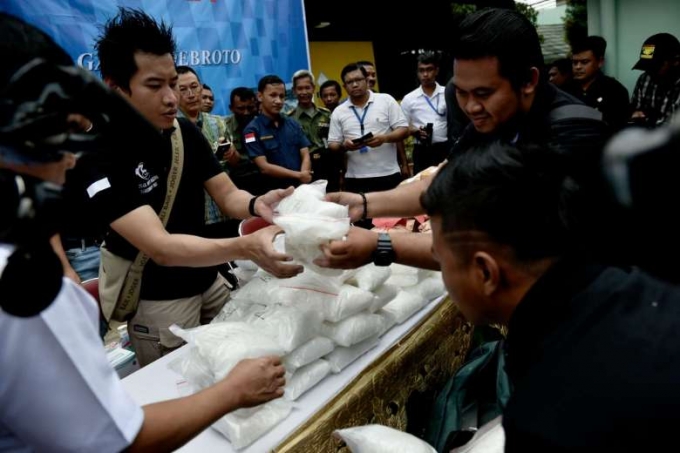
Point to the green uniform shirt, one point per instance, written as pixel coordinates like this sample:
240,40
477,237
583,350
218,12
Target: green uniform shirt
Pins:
315,127
234,135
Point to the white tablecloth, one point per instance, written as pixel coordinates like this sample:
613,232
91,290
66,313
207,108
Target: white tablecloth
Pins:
156,382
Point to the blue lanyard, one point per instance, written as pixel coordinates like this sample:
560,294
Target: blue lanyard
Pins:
436,110
362,118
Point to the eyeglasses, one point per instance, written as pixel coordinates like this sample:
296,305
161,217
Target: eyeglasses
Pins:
186,91
354,81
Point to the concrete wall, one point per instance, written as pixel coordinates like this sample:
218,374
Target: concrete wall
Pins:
625,24
550,16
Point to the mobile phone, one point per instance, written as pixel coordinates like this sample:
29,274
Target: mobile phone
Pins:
363,139
221,150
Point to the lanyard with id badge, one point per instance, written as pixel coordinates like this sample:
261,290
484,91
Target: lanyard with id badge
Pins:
364,137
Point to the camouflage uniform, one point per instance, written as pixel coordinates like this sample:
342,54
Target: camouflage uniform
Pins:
325,164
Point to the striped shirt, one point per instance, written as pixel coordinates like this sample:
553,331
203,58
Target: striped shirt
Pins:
658,102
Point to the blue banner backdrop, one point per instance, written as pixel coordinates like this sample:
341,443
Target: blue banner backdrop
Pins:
230,43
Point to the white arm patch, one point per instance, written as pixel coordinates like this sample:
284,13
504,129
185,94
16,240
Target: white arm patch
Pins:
98,186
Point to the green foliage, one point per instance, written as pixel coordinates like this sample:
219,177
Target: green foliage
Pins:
460,10
530,13
575,21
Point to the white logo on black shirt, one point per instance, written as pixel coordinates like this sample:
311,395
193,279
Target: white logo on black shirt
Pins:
141,172
149,182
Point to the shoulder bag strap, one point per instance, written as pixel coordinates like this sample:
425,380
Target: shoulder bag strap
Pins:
130,293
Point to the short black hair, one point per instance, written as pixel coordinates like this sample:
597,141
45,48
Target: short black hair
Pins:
21,42
365,63
429,58
597,44
187,70
504,34
563,65
243,93
270,79
518,197
351,68
206,87
333,84
124,35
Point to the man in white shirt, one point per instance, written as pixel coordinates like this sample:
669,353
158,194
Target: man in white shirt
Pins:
372,163
425,110
58,392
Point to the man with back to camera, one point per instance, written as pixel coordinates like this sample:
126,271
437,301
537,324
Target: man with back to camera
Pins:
497,62
179,283
276,144
426,106
593,87
590,352
656,96
58,392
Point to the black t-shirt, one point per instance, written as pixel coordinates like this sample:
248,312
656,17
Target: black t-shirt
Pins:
82,217
608,96
600,224
582,139
593,355
144,182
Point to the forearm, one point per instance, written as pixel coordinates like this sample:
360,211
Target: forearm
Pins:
402,201
194,251
306,162
336,147
414,249
170,424
401,153
235,204
55,242
396,135
276,171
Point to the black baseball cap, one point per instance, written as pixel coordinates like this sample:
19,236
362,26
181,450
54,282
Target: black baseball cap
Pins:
657,49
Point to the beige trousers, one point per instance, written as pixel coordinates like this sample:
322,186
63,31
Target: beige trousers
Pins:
148,329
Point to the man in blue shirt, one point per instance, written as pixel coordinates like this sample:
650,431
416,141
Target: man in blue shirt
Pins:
277,145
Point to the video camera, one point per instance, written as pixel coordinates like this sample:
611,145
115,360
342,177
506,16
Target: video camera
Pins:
640,167
34,108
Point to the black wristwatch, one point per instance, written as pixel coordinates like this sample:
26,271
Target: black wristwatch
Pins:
384,253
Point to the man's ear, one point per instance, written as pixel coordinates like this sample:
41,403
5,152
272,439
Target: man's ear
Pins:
259,97
110,83
600,63
530,86
487,272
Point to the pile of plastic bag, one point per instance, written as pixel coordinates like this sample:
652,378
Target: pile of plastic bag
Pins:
319,322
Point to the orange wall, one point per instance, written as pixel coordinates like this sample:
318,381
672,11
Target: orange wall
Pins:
330,57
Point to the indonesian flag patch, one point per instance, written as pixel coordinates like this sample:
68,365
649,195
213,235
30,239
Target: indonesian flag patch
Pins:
250,138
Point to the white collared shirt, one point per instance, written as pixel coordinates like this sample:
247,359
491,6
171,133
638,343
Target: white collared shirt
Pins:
419,111
58,392
383,116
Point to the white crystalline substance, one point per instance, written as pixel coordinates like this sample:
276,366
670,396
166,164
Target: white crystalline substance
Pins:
341,357
245,426
305,378
381,439
404,306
